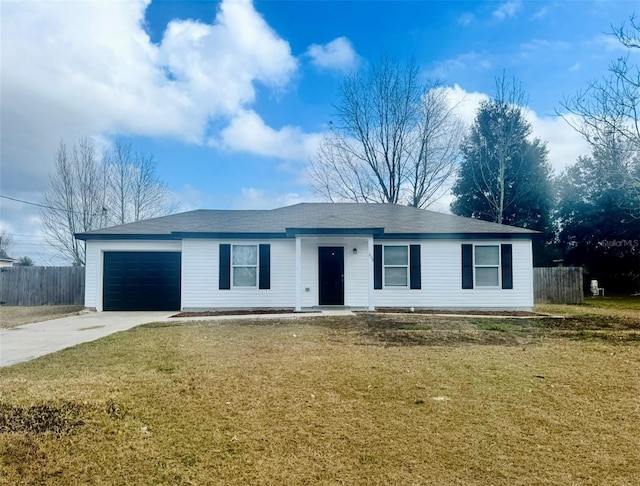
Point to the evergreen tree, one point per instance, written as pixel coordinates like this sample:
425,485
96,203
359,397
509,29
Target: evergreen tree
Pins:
504,177
596,219
24,261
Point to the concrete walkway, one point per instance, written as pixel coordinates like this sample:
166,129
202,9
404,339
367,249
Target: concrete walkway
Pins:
30,341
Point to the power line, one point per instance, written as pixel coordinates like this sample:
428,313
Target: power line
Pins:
40,205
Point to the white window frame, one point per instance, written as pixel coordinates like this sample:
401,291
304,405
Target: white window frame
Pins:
476,266
385,266
256,266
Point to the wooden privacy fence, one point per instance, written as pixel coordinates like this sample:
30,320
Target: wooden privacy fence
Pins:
558,285
42,286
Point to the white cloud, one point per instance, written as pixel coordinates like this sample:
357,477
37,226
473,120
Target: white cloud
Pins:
460,65
88,69
544,44
24,223
565,145
77,68
465,103
337,55
253,198
466,18
192,198
606,43
247,132
507,10
541,13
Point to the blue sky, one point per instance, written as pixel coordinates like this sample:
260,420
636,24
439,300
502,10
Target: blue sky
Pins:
231,98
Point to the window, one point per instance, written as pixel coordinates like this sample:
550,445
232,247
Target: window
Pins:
244,263
396,266
487,265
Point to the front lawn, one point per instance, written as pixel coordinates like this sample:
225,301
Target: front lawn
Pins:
371,399
14,316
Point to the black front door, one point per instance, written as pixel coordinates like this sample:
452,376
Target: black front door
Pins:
331,275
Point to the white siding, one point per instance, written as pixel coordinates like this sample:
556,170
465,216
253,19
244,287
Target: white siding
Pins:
94,261
441,273
201,269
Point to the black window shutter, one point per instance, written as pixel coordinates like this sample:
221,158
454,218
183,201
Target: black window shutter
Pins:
506,255
414,267
225,267
377,266
467,266
265,267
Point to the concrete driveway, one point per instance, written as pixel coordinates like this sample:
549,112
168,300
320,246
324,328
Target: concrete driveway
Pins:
33,340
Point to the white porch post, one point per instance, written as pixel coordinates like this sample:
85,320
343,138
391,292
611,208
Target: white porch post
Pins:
298,274
372,304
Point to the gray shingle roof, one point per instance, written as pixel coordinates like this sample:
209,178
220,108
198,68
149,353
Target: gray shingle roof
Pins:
389,218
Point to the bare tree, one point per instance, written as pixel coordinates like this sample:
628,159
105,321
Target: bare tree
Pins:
85,193
119,184
508,130
6,243
150,197
433,160
74,199
134,191
629,37
394,139
608,110
610,105
607,106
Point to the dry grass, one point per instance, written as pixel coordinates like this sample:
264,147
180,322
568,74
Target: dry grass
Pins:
625,307
608,316
14,316
367,400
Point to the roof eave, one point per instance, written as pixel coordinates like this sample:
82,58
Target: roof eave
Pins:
227,235
123,236
456,236
292,232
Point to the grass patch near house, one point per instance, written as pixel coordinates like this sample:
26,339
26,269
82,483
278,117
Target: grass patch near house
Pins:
603,315
14,316
364,400
596,306
500,325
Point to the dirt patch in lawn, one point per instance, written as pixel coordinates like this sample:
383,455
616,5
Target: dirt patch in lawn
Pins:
594,322
239,312
429,330
14,316
599,318
395,310
55,418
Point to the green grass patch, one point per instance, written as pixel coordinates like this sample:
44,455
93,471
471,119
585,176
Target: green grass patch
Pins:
415,327
616,303
498,325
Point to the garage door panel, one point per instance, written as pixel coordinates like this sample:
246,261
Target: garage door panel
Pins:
141,281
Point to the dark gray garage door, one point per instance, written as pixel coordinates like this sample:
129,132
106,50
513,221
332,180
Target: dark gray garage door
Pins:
141,281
